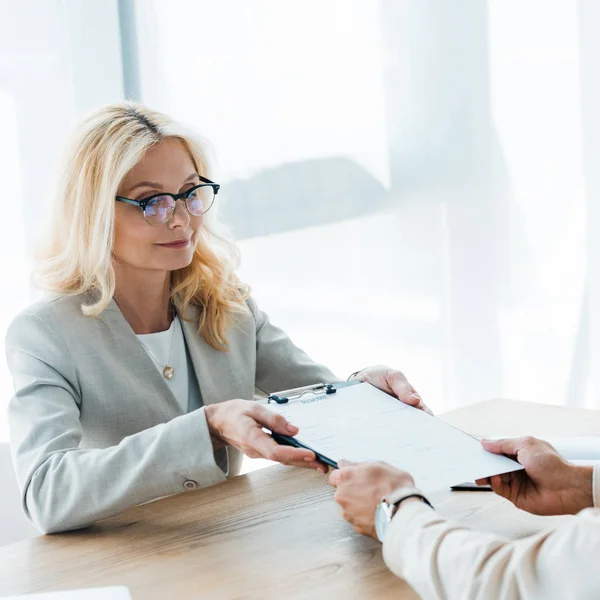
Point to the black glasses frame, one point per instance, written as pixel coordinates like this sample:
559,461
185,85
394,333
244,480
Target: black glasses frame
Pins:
183,196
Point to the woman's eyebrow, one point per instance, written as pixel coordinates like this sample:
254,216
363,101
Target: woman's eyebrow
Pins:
150,184
156,185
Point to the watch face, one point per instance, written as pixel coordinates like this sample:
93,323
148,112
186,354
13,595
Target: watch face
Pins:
382,520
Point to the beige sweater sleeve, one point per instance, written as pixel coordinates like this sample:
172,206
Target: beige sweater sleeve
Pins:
442,559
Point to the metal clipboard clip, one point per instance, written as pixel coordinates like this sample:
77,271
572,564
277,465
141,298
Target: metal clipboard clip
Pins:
317,388
287,395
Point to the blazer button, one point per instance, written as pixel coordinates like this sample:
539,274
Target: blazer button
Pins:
190,485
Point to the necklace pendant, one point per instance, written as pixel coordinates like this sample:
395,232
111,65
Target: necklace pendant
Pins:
168,372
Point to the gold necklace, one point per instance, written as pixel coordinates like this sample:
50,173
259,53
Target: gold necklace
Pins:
168,370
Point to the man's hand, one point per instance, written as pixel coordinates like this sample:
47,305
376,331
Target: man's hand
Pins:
548,486
361,487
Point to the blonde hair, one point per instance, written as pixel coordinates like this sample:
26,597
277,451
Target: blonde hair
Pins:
78,256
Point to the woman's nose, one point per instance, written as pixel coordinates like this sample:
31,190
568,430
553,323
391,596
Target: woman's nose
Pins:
180,216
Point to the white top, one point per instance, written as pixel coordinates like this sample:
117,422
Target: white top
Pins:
443,559
168,348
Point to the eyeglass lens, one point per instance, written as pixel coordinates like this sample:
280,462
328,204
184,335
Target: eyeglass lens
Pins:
160,208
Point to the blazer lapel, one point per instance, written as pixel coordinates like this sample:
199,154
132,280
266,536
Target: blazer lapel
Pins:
216,377
135,357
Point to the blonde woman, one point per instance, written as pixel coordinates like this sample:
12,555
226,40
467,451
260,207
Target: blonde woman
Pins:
135,379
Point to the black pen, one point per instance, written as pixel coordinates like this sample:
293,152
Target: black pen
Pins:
470,486
286,440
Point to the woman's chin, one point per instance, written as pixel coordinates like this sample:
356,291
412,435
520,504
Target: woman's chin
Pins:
175,264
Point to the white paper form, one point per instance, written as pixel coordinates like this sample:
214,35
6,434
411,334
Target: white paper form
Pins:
570,448
362,423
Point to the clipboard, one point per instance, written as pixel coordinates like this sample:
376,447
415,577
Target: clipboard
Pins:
359,422
315,390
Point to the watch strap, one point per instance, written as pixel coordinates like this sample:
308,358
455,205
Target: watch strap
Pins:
404,493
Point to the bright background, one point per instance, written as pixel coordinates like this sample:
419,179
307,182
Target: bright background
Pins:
411,182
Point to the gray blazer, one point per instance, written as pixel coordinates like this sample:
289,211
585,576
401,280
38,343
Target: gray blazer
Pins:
95,429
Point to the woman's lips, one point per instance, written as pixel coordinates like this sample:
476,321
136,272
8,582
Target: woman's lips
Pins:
176,245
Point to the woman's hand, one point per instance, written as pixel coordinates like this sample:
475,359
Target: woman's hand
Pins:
240,423
361,487
392,382
548,486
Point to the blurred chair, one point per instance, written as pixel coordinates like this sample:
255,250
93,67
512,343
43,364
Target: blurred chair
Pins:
303,194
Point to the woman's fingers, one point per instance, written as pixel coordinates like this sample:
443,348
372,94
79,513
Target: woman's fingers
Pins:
405,392
271,420
258,443
402,389
395,383
422,406
314,464
288,455
266,447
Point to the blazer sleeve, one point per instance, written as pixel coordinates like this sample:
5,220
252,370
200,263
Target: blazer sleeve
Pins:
280,364
66,487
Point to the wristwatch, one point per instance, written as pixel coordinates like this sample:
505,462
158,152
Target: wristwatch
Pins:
388,507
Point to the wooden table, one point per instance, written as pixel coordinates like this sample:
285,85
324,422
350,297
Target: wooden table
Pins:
274,533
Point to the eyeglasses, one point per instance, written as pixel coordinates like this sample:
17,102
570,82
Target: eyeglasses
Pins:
158,209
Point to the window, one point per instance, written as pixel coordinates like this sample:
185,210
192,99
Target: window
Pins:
409,182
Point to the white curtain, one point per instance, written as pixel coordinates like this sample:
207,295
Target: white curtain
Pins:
406,177
58,59
412,182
